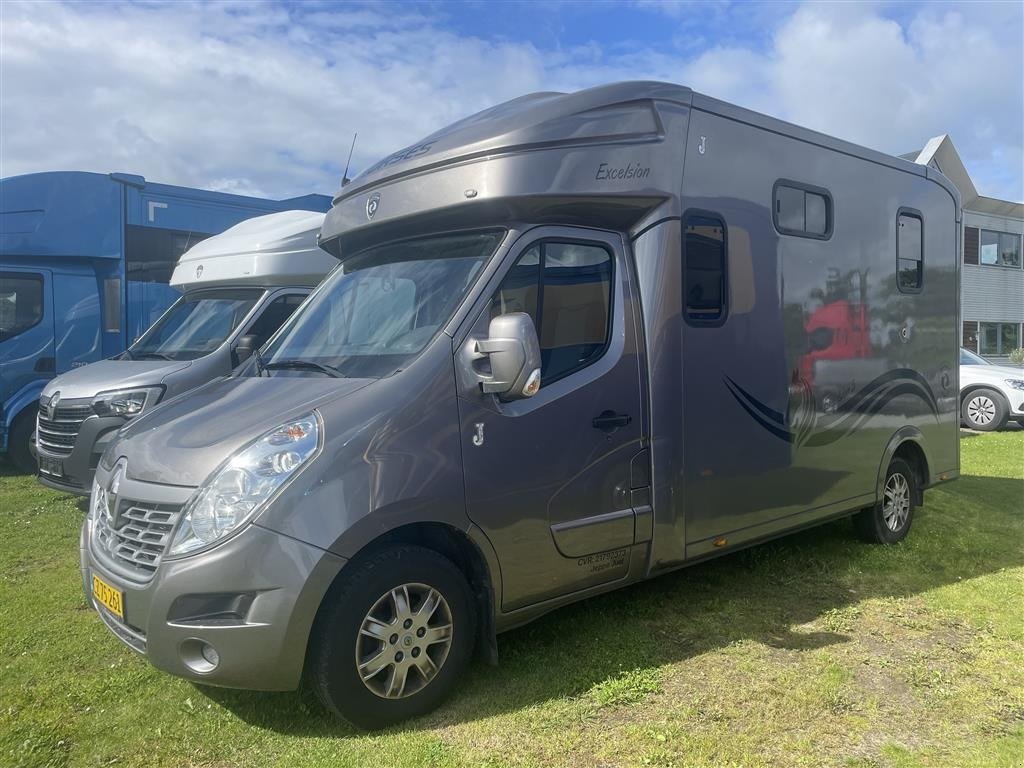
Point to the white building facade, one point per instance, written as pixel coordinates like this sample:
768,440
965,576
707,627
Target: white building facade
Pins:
992,280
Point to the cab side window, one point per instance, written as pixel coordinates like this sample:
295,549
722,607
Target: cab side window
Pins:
566,289
21,303
274,315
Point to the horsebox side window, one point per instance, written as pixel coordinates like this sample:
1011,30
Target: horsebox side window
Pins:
21,303
909,251
802,210
704,270
566,289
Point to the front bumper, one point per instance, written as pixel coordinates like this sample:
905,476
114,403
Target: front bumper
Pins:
94,434
253,599
1015,398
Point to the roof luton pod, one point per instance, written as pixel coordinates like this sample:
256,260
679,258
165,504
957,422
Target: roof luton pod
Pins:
237,287
576,341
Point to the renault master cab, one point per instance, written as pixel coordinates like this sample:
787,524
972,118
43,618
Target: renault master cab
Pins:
237,289
564,352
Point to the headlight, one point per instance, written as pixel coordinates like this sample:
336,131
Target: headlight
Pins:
126,402
233,494
1015,383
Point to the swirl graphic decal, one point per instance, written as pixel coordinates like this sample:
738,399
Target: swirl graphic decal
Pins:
802,425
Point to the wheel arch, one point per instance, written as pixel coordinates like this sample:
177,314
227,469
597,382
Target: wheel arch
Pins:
468,550
908,444
972,388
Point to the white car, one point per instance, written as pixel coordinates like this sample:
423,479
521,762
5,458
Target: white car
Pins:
989,394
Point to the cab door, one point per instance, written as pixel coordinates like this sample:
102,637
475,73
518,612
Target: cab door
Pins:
548,478
26,329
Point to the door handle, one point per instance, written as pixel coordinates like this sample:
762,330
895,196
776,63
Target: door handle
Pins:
609,421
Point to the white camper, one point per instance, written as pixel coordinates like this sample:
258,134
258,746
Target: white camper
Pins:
237,289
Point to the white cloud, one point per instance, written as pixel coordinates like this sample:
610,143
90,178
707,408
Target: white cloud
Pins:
263,99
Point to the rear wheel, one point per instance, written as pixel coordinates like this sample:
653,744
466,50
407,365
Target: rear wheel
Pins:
396,632
18,441
889,521
984,410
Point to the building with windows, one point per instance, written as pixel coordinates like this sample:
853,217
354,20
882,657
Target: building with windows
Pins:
992,282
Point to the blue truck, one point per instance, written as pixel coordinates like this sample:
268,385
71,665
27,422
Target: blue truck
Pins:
85,260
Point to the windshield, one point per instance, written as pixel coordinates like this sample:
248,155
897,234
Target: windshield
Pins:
969,358
195,326
381,308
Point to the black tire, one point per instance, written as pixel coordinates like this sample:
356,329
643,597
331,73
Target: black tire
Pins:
18,441
984,410
333,646
882,524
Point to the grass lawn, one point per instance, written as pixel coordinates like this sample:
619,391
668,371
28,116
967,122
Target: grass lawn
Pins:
812,650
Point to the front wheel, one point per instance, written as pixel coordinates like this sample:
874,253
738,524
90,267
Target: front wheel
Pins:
984,410
393,637
889,521
19,439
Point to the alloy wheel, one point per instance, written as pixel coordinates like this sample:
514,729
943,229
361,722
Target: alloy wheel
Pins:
981,410
896,504
403,641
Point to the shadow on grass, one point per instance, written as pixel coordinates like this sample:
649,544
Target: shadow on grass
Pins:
759,594
9,470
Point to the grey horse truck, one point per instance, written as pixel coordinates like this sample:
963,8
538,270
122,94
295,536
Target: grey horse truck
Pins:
575,341
237,289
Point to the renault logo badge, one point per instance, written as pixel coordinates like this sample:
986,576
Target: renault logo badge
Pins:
54,401
372,204
114,491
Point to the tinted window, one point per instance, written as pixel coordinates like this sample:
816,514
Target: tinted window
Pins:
21,303
969,358
998,339
1009,249
816,207
909,252
1000,248
704,266
377,312
273,316
566,289
195,326
520,288
151,254
789,208
802,211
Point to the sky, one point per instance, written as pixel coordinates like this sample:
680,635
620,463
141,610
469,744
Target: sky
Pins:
263,98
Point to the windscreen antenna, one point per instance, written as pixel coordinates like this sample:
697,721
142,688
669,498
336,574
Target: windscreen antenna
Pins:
344,177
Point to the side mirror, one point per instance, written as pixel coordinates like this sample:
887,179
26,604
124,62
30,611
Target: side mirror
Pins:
245,346
512,349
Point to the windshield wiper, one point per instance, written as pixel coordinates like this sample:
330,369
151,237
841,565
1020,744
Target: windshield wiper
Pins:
307,365
152,356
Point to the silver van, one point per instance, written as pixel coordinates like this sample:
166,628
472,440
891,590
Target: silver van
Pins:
575,341
238,288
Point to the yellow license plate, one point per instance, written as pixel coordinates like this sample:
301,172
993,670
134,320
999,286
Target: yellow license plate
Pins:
110,598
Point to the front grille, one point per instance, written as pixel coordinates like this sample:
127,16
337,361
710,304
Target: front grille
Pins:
57,434
138,537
